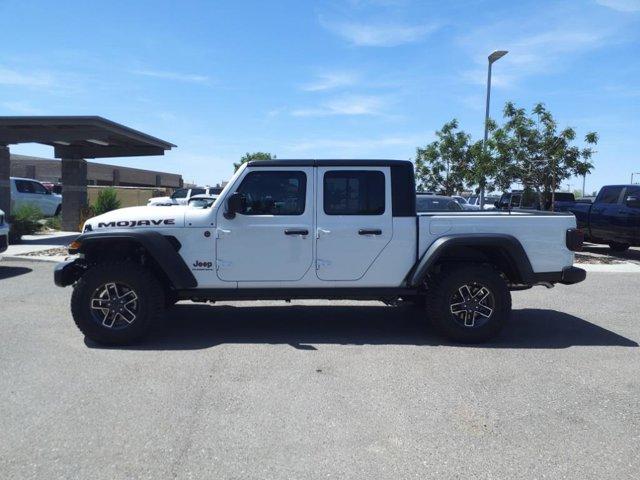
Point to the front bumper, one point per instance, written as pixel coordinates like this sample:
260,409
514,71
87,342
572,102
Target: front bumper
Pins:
67,272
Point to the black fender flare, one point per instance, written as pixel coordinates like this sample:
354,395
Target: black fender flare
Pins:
158,246
511,246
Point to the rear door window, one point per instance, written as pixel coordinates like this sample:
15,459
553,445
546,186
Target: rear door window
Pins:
354,192
38,188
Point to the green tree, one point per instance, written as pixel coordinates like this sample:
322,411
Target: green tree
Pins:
106,201
442,165
531,150
485,165
249,157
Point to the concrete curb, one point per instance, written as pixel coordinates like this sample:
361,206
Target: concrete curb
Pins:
24,258
626,267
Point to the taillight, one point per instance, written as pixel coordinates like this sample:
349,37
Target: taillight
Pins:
574,239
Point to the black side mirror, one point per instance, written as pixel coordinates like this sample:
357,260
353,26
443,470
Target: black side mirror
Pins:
235,204
632,201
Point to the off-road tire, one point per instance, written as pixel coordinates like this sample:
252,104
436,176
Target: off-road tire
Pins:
149,306
445,286
619,247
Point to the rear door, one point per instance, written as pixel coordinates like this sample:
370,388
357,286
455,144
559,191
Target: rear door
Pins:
354,220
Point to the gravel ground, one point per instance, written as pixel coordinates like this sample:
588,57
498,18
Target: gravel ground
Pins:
322,390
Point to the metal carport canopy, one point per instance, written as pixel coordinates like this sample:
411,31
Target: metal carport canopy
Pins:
81,136
74,138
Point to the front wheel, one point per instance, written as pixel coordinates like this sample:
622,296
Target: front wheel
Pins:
116,303
469,304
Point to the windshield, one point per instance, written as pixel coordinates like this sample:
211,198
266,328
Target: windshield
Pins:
436,204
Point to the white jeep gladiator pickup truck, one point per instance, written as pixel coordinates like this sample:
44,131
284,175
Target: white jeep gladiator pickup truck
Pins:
327,229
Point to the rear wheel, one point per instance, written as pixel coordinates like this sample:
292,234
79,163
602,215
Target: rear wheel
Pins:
619,247
116,303
468,304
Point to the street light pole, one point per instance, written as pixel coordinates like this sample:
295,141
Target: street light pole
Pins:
494,57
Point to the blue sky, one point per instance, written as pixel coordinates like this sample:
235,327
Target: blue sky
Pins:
334,79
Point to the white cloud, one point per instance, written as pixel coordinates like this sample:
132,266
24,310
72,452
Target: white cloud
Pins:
177,76
330,80
538,53
378,35
25,79
345,105
621,5
358,144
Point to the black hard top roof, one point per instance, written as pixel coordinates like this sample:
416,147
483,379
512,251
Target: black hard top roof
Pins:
330,163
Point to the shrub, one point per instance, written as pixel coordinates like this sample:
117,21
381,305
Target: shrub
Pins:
24,221
53,223
107,200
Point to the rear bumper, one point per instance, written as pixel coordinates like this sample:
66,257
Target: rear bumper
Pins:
571,275
568,276
67,272
4,240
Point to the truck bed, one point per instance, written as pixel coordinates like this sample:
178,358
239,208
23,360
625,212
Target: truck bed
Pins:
542,234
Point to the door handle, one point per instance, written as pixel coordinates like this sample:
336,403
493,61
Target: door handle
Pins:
371,231
321,231
290,231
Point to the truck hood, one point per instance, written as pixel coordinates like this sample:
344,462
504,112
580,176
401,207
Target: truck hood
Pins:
155,200
138,217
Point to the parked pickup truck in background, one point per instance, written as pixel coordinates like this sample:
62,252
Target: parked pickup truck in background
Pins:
28,191
613,217
327,229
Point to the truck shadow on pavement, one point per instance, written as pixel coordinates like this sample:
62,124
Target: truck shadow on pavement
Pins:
187,327
10,272
632,254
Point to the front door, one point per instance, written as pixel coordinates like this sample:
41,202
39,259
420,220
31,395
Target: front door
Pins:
604,218
271,239
630,216
354,220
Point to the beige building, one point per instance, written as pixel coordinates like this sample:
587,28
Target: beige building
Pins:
50,170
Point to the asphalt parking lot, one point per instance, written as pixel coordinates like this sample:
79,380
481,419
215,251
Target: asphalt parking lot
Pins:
322,390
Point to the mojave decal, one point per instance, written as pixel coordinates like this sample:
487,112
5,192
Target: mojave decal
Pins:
136,223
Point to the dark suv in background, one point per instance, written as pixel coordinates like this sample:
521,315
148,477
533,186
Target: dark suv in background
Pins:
518,199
